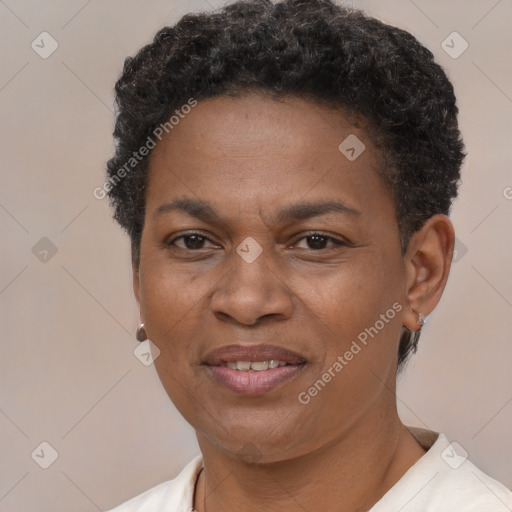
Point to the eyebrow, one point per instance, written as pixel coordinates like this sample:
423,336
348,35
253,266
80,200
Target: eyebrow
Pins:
205,212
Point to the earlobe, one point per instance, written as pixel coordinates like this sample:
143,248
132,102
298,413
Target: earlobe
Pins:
428,262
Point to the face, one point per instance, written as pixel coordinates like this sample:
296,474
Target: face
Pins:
264,242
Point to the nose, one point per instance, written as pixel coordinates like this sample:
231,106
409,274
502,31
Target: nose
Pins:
252,291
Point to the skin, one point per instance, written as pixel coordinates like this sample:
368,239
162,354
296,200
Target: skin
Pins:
249,157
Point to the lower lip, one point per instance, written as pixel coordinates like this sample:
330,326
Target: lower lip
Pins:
253,383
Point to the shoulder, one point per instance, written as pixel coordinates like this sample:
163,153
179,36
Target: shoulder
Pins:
469,487
154,497
176,494
445,480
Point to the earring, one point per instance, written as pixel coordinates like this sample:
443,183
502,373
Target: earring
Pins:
421,319
141,334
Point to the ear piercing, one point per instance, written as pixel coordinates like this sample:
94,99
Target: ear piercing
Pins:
421,319
141,334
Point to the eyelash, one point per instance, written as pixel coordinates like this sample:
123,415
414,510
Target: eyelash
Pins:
336,241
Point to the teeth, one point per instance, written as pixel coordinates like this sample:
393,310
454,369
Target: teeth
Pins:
257,366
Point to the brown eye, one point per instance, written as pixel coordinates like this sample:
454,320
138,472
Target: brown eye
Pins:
193,241
190,242
319,241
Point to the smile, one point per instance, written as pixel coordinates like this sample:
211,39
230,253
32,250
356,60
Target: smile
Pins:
257,366
253,370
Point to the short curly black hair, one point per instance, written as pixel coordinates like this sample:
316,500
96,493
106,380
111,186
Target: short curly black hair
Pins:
333,55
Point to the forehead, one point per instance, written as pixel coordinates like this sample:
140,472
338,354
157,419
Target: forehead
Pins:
289,124
263,152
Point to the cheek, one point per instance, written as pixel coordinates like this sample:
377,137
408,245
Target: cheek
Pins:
356,296
169,305
362,310
362,315
168,294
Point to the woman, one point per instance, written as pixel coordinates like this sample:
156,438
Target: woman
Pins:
285,173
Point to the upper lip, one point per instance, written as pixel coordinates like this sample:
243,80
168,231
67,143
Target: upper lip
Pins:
233,353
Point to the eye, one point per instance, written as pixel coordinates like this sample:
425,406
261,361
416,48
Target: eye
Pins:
318,241
195,241
190,241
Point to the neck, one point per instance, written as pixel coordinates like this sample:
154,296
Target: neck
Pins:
350,473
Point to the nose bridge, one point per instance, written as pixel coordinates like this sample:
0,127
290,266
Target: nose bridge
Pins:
252,288
252,267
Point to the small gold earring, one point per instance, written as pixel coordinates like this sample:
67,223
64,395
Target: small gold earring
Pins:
421,319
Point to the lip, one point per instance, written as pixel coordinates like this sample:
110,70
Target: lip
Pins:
233,353
253,383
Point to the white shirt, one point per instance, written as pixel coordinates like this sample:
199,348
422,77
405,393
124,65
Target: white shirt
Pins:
442,480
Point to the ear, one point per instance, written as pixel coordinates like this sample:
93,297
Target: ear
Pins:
427,262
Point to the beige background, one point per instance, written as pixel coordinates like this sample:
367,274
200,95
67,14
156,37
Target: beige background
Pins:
68,373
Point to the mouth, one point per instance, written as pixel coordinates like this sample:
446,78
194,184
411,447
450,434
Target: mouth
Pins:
253,366
253,370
